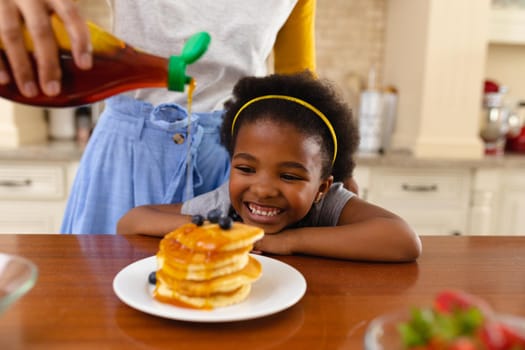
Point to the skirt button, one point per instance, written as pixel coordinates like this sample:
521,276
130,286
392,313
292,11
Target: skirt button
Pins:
178,138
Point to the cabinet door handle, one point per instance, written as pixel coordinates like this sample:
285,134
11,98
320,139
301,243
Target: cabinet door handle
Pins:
419,188
15,183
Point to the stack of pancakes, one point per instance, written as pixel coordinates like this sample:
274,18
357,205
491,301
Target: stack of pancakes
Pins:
205,266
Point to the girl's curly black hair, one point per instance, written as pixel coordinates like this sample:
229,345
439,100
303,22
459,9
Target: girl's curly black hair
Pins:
304,86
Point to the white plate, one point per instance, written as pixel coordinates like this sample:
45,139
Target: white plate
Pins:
279,287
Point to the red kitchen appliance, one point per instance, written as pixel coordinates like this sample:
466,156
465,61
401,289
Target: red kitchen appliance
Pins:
516,142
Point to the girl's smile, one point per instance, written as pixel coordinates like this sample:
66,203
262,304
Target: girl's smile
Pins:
276,174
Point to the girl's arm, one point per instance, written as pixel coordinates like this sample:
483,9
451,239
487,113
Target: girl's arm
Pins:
152,220
364,232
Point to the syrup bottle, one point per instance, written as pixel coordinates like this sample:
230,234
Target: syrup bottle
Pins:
117,67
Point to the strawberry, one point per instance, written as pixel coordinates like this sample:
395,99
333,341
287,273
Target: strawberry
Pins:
437,343
492,336
513,339
462,344
449,300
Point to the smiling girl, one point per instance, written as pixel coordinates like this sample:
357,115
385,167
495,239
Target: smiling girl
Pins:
292,141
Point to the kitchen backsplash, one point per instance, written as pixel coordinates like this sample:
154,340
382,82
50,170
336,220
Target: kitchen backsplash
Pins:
350,38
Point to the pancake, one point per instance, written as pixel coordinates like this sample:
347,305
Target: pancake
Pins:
212,238
211,301
223,284
190,272
207,266
188,259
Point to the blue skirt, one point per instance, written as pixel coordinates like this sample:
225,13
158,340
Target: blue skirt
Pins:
138,154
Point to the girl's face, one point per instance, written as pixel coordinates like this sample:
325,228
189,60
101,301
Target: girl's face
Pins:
275,175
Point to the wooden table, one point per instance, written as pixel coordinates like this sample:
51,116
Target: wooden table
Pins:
73,306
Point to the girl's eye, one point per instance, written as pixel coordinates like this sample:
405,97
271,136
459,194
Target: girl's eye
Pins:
290,177
245,169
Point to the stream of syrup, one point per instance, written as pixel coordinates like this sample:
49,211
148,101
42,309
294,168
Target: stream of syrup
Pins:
189,171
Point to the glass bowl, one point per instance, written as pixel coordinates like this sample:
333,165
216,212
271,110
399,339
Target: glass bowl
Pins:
17,276
382,332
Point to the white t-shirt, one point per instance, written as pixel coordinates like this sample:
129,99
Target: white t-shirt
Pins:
243,33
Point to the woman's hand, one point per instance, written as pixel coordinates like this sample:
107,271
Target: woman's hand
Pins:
35,15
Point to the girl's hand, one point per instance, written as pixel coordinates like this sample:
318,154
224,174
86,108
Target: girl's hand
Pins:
35,15
274,244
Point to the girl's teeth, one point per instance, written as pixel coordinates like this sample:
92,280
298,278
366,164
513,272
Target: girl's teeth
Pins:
271,212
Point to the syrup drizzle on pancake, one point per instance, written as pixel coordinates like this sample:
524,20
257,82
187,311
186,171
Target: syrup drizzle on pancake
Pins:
206,266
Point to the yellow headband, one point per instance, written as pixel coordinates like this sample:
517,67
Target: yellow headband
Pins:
298,101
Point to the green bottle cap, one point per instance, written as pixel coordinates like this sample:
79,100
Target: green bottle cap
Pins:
194,48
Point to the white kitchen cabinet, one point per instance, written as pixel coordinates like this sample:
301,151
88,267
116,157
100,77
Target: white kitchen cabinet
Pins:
510,214
506,39
507,25
498,204
484,199
433,201
33,195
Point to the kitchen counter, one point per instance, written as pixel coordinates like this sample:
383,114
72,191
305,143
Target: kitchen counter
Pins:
51,151
405,159
71,151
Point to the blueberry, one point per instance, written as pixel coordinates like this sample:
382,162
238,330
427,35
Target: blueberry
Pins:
225,222
235,217
214,215
197,219
152,277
